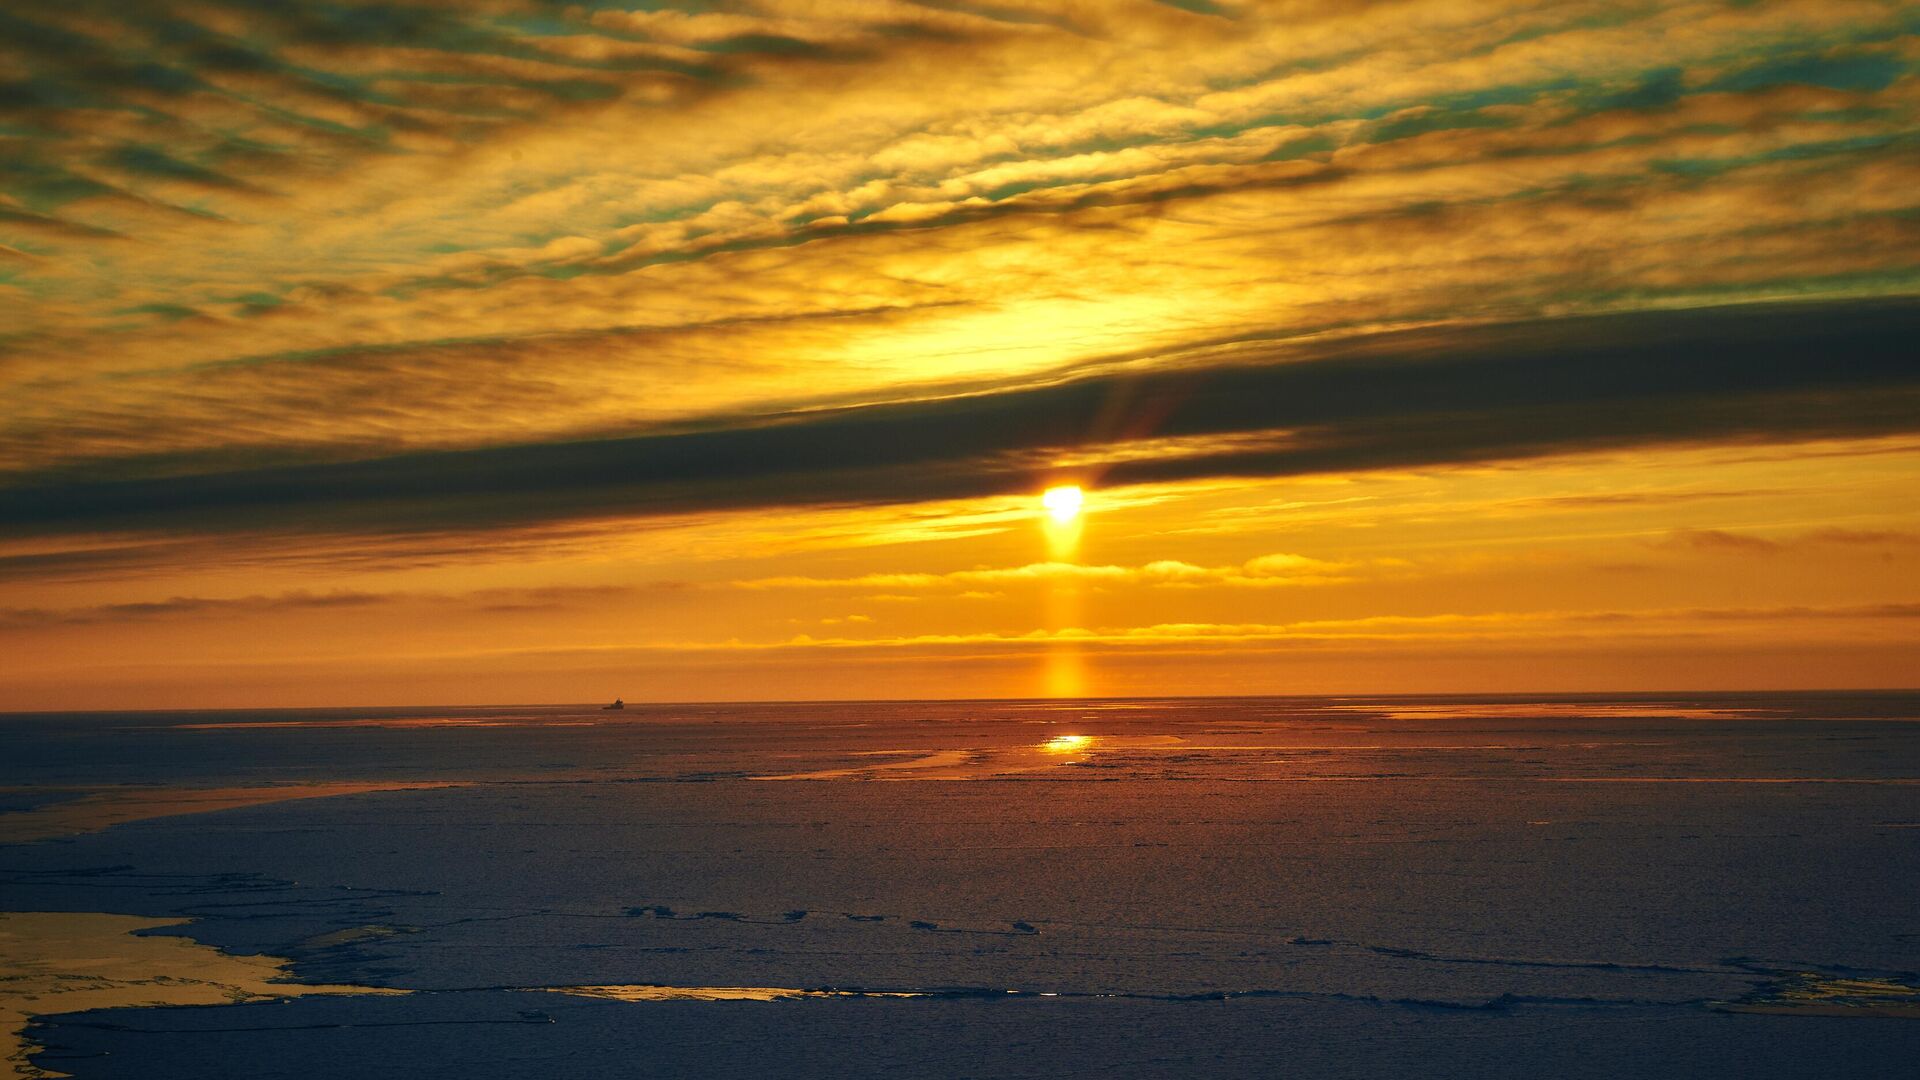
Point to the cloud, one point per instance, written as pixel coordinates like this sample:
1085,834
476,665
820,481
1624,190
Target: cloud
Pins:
383,225
1865,537
543,598
1266,571
1722,540
1457,627
292,292
1608,500
188,606
400,266
1499,392
1740,543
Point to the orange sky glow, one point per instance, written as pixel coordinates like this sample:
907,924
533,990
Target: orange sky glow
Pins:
549,354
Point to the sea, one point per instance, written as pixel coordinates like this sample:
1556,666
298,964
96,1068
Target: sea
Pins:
1696,885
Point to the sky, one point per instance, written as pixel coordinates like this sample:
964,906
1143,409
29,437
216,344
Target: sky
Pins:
408,351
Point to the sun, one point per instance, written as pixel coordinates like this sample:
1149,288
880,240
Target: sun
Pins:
1063,503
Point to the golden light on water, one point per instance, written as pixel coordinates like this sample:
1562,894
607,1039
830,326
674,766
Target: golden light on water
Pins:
1063,503
1067,744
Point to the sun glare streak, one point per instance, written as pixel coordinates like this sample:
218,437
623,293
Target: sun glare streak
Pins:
1067,744
1063,504
1064,515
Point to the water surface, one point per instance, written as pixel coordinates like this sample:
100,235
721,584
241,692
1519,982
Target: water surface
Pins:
1574,886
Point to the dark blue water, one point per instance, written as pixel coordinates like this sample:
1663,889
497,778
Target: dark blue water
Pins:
1313,887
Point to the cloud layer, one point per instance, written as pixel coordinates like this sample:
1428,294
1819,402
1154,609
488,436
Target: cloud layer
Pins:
285,233
1402,399
406,336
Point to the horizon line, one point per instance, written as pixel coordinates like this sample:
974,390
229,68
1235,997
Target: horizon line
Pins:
1398,695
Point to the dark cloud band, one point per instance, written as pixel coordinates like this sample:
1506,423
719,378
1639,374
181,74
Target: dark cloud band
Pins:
1397,400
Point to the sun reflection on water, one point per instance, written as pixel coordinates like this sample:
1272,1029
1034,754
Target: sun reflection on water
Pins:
1067,744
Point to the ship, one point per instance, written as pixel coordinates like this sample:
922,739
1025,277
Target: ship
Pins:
617,704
